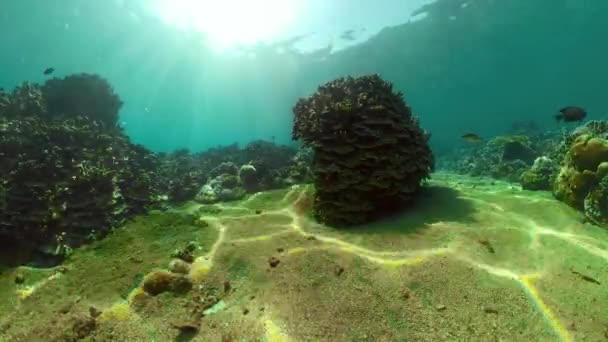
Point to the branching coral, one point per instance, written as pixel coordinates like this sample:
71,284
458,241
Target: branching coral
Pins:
370,154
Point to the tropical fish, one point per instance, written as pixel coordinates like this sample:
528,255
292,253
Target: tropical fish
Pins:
472,138
571,114
48,71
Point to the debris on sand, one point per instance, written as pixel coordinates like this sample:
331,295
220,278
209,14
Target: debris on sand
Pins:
274,262
186,326
19,278
490,310
586,277
487,244
94,312
179,266
440,307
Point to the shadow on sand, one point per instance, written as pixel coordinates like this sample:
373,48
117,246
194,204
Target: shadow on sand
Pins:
434,204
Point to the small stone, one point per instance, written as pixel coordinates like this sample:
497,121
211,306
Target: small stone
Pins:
186,326
252,297
19,278
94,312
245,311
66,308
179,266
83,327
339,270
440,307
157,282
62,269
135,260
274,262
490,310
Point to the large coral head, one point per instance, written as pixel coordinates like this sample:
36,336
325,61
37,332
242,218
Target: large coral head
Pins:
370,152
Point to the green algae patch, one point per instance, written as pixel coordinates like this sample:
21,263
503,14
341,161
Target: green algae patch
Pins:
106,271
260,226
268,200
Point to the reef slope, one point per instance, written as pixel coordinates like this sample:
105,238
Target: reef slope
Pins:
474,260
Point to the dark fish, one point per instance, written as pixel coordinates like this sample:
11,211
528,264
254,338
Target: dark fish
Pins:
348,35
472,138
48,71
571,114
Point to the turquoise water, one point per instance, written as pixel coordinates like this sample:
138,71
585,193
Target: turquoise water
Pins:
494,63
497,237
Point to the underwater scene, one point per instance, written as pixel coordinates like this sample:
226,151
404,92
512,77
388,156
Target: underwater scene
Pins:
303,170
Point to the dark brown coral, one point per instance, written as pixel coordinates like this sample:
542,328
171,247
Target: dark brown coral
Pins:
82,94
370,154
67,178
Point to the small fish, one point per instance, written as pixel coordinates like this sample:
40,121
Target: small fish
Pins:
472,138
571,114
48,71
348,35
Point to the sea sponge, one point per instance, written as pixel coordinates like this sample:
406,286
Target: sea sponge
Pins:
370,154
158,282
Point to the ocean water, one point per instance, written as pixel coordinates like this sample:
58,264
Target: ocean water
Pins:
476,256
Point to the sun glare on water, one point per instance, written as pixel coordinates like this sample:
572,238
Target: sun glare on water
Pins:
227,23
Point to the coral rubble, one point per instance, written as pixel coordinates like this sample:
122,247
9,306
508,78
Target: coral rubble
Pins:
370,154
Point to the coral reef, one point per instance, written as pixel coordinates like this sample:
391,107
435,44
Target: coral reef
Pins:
225,187
182,175
260,165
82,94
582,181
540,175
299,170
504,157
271,162
68,176
370,154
